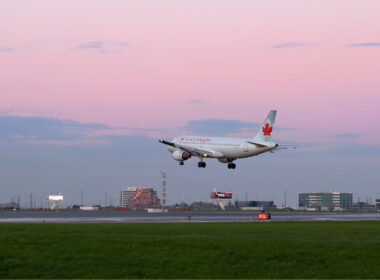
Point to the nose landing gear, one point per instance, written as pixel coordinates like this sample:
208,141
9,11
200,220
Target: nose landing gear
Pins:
181,163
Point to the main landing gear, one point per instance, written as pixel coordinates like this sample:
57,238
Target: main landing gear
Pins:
201,164
231,165
181,163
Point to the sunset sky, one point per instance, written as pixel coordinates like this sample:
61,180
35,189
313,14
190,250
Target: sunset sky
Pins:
87,87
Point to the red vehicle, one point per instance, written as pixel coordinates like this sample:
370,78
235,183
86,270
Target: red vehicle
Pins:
263,216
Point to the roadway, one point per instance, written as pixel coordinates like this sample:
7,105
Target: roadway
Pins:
191,216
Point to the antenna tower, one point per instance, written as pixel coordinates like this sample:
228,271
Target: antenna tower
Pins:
163,174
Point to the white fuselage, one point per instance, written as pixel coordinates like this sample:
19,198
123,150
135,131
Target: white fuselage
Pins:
223,148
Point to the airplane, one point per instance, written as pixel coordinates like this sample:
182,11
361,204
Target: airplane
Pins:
225,149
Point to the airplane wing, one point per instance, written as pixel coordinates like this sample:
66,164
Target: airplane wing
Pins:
193,151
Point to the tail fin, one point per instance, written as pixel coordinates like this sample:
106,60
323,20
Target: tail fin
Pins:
265,132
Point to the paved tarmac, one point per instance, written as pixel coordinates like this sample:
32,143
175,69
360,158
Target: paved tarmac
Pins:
188,216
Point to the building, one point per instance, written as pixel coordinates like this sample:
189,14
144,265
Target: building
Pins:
326,200
203,206
363,206
377,204
9,206
139,197
254,203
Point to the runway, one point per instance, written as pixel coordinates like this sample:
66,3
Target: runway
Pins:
188,216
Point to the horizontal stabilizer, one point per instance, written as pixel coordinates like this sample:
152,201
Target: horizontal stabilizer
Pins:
261,143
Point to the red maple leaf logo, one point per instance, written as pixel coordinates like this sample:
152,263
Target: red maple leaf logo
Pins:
267,130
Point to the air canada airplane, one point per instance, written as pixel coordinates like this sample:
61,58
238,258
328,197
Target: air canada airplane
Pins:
226,150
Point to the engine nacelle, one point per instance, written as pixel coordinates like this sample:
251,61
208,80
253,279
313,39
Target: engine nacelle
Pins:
181,155
224,160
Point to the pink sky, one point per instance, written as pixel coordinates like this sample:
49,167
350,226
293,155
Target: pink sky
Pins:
220,52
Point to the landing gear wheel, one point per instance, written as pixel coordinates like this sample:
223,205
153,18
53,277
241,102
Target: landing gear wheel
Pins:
181,163
231,165
201,164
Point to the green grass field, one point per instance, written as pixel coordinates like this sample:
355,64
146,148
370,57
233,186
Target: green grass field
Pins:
191,250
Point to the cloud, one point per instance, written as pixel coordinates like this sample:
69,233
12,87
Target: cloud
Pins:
347,135
290,45
125,160
49,168
219,126
365,44
46,130
103,46
352,150
335,150
6,49
195,101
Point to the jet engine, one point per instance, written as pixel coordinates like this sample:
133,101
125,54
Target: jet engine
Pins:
181,155
224,160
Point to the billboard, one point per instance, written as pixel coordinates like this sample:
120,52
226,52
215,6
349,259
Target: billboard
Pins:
55,197
221,195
